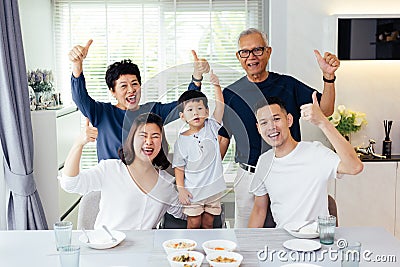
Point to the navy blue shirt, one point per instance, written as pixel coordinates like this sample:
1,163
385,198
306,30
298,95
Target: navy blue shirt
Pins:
111,122
239,119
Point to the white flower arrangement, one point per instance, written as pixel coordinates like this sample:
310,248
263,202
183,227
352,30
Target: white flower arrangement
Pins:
41,80
347,121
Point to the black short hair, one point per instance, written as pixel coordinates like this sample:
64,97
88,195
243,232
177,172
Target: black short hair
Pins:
127,152
270,100
115,70
191,95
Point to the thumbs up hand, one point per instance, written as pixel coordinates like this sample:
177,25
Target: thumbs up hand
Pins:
201,66
89,134
79,53
312,112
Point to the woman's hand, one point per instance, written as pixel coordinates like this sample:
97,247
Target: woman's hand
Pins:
89,134
77,54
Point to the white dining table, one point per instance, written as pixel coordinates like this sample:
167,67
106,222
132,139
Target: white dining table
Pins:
144,247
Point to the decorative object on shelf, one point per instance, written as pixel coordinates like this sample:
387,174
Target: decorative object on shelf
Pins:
387,143
347,121
41,82
32,98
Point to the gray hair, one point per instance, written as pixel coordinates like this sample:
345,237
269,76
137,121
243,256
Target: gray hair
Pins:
251,31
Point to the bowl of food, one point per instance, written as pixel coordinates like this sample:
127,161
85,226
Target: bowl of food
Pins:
185,259
212,246
224,259
174,245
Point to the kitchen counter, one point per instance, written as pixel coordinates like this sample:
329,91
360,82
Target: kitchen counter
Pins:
370,158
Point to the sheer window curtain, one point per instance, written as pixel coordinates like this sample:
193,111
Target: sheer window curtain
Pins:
157,35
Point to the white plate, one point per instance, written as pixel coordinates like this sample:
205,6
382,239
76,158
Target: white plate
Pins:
308,231
300,265
99,239
302,245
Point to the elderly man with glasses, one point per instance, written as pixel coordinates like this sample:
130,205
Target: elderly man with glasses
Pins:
240,98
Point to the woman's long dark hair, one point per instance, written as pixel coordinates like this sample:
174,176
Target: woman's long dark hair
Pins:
127,153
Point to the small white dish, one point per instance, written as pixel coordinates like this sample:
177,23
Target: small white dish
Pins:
197,256
300,265
224,254
212,246
174,245
308,231
99,239
302,245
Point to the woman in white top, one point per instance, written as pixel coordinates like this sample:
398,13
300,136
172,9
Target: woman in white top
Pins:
136,190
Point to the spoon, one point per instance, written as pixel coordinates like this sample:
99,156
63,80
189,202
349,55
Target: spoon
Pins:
108,231
86,234
297,229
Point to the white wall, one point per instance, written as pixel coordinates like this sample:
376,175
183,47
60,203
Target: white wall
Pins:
299,26
37,33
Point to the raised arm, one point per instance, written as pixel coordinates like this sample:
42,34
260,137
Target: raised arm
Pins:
328,64
219,98
71,166
77,54
349,162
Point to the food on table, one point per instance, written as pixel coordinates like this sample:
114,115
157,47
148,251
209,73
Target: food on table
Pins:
180,245
218,248
224,259
184,258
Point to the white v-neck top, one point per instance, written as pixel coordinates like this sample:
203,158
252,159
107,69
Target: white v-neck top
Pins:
123,205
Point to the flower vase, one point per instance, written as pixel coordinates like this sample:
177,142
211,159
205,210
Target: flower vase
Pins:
42,99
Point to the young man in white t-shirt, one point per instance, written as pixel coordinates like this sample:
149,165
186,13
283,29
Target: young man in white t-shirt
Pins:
197,159
295,174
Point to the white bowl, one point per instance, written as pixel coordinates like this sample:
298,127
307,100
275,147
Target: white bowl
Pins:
198,259
224,254
169,248
308,231
212,246
100,239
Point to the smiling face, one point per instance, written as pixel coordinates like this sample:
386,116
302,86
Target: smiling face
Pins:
127,91
194,113
147,142
273,125
255,66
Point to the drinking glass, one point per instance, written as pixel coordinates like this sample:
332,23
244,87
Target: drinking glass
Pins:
63,233
69,256
326,226
351,255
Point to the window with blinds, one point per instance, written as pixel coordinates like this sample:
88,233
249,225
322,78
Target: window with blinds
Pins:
156,35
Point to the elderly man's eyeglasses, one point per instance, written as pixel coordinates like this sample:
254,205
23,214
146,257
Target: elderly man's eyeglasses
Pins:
258,51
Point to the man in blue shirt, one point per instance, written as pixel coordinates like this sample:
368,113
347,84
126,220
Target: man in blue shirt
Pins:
240,98
124,82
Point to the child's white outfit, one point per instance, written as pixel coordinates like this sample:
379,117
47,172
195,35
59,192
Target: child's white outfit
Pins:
200,156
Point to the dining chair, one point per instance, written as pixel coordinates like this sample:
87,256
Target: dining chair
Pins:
332,207
88,210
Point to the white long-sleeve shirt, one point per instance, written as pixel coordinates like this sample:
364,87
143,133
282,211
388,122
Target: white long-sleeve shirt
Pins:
123,205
